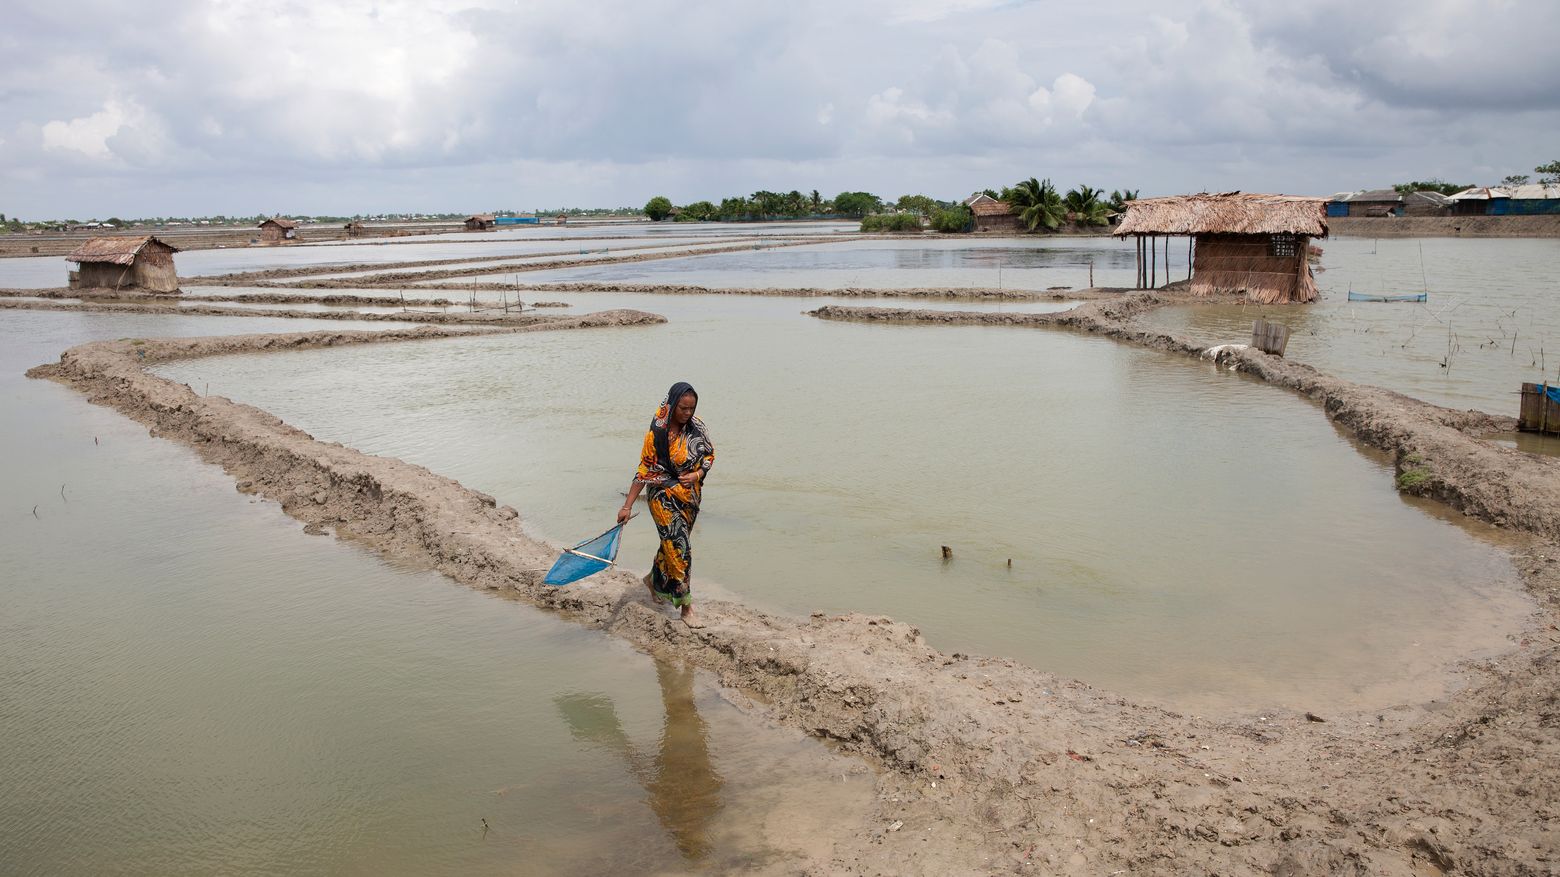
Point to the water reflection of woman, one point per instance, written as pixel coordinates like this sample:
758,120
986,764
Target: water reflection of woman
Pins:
674,460
681,781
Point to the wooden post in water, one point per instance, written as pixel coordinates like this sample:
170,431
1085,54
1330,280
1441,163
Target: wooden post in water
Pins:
1539,413
1153,261
1269,337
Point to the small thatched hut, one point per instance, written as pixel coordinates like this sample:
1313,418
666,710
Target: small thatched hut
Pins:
991,214
1248,243
143,263
354,229
479,222
276,230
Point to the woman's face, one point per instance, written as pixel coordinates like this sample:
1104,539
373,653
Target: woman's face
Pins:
684,410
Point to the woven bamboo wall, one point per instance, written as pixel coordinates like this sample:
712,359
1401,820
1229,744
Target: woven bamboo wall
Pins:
1227,263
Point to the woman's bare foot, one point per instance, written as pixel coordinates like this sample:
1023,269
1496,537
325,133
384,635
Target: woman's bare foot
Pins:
651,588
690,619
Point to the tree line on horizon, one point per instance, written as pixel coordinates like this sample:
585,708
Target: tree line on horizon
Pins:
1039,205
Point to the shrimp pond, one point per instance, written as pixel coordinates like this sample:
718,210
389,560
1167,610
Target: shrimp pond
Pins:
207,688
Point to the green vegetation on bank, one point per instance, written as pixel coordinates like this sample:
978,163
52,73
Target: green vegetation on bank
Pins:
1038,204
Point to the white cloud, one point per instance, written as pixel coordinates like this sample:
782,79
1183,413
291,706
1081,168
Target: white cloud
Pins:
364,101
87,135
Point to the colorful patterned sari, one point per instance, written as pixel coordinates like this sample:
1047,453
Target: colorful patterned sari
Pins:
674,506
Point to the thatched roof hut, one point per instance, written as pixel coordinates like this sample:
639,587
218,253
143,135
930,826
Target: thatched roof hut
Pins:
354,229
278,229
145,263
479,222
1243,242
991,214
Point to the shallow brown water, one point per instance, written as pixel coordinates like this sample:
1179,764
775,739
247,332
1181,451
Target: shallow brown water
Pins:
191,685
1492,320
1177,533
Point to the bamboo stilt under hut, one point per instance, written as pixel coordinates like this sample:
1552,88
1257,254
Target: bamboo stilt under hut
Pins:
1248,243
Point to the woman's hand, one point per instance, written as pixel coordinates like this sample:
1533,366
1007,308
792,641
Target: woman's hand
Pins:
624,513
689,479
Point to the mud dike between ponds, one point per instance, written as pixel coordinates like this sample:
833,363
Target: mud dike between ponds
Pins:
989,765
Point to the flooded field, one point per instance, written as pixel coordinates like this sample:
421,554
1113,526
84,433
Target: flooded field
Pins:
40,272
276,702
1491,322
209,690
1015,263
1135,493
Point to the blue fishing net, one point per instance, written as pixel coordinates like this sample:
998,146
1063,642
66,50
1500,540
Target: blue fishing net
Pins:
587,558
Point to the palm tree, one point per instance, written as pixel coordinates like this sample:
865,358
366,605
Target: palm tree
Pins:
1119,199
1037,204
1084,206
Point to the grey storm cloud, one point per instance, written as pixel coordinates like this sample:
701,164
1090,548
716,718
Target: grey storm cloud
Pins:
349,106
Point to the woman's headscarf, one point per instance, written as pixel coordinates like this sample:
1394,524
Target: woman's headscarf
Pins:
694,429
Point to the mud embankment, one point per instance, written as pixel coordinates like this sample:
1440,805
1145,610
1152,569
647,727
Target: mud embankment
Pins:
1438,451
915,292
243,278
275,298
1445,226
490,316
391,277
993,766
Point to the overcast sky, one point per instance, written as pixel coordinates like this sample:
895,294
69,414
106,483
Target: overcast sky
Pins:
349,106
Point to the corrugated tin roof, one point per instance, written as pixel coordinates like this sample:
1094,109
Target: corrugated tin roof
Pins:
1530,191
284,223
1376,195
1435,198
117,251
1230,213
1479,193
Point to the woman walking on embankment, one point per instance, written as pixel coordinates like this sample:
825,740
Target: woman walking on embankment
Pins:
675,459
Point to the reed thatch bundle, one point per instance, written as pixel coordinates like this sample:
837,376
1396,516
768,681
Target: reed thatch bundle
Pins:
1228,213
119,250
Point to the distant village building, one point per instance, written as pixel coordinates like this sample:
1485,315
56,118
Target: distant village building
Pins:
354,229
277,230
563,219
1388,202
143,263
991,214
1535,199
1249,243
1374,202
479,222
1425,204
1474,201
